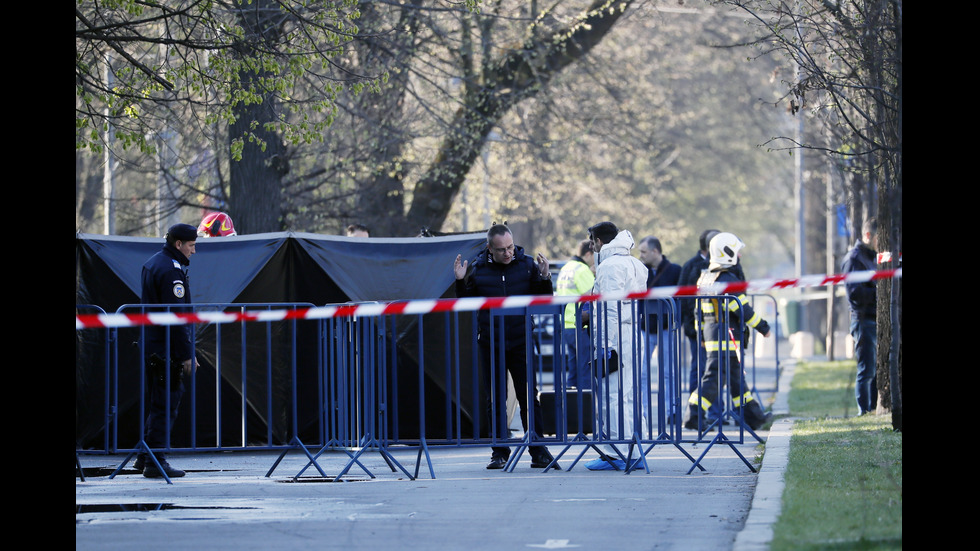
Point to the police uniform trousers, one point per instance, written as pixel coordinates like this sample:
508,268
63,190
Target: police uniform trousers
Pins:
158,418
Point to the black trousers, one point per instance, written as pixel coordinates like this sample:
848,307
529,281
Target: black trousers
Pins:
513,361
158,418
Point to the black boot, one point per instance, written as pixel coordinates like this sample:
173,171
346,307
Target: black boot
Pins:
541,457
755,417
151,470
693,416
497,461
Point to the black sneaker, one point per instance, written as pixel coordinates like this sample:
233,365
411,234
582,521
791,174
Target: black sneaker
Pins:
151,470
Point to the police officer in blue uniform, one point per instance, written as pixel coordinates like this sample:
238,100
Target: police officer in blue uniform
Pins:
165,282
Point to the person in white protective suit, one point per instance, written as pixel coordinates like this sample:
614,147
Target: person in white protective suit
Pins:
617,271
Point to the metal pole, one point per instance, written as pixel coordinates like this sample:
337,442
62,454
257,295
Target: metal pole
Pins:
829,227
108,190
486,185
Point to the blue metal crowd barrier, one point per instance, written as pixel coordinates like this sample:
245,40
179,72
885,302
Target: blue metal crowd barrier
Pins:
716,427
93,386
752,358
372,383
235,408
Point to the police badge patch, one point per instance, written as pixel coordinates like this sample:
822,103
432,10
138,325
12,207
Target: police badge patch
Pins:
179,289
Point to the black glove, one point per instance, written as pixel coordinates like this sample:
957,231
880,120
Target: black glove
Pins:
603,368
157,369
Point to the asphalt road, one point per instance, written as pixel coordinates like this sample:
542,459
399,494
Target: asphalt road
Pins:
226,501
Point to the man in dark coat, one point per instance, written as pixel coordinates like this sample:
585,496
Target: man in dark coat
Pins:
502,269
660,318
863,303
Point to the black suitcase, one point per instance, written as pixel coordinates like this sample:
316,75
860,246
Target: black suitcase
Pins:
551,406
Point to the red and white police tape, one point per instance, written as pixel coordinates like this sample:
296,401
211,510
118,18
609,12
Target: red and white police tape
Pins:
90,321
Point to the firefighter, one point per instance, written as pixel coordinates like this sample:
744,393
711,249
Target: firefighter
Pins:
723,336
216,224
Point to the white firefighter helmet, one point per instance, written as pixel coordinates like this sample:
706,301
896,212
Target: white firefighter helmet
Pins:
723,250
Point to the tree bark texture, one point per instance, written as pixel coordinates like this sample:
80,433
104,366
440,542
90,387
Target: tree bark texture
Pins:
255,182
381,198
520,74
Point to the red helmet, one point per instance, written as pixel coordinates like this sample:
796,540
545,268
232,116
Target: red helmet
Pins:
216,224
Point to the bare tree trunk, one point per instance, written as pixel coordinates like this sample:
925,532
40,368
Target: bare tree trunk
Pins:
255,182
517,76
895,356
882,54
897,315
888,355
381,198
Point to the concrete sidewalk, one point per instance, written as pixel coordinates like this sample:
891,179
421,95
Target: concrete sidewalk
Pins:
227,502
767,499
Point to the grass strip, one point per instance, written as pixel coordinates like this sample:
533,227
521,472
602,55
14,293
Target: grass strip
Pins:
843,483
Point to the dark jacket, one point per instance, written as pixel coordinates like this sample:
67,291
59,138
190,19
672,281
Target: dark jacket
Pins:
690,273
164,281
862,297
667,274
486,278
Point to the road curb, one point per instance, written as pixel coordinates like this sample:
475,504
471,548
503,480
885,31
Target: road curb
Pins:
768,497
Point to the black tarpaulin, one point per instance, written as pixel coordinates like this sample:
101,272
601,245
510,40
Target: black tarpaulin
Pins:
263,268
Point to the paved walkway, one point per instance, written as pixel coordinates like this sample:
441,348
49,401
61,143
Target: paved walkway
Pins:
767,499
226,501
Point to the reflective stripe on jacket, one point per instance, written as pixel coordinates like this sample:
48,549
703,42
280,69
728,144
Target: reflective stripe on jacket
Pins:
737,308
